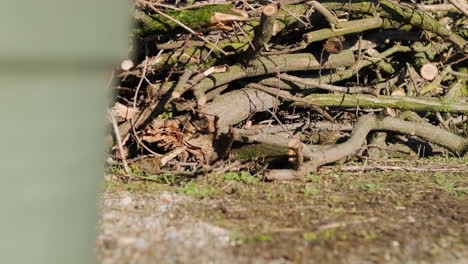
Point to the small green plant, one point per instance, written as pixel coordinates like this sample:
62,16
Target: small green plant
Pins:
310,236
309,190
367,235
262,237
238,237
198,190
244,238
328,234
312,177
370,187
244,177
165,115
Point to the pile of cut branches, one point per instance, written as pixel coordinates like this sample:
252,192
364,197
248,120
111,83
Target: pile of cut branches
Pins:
323,82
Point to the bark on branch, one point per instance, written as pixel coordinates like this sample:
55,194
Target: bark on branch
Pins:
353,26
426,104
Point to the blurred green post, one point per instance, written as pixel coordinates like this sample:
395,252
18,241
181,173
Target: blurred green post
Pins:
56,57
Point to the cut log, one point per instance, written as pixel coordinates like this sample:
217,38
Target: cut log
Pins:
428,71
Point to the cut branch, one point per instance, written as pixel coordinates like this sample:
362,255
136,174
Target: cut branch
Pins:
353,26
236,106
426,104
263,33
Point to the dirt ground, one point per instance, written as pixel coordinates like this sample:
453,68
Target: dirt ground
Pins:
329,217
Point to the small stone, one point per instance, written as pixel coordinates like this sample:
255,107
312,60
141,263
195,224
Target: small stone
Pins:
110,161
166,198
387,256
411,219
126,200
163,208
395,243
126,241
141,244
126,64
107,261
444,243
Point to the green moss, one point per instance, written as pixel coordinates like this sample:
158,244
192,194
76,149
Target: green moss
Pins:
310,190
255,150
197,190
243,177
197,18
133,186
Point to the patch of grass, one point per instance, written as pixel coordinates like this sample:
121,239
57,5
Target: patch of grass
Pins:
337,210
333,199
369,187
313,177
246,239
198,190
135,171
238,237
310,190
133,186
439,159
243,177
328,234
446,182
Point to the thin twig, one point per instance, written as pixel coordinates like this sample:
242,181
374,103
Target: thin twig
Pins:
132,121
119,141
459,6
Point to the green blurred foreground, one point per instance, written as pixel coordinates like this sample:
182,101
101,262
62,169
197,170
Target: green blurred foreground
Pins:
55,60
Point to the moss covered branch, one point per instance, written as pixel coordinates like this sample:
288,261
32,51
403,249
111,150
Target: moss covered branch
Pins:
196,18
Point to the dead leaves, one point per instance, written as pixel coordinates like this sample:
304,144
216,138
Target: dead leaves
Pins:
171,134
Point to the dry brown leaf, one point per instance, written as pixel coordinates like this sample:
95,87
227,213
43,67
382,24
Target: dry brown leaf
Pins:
225,19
